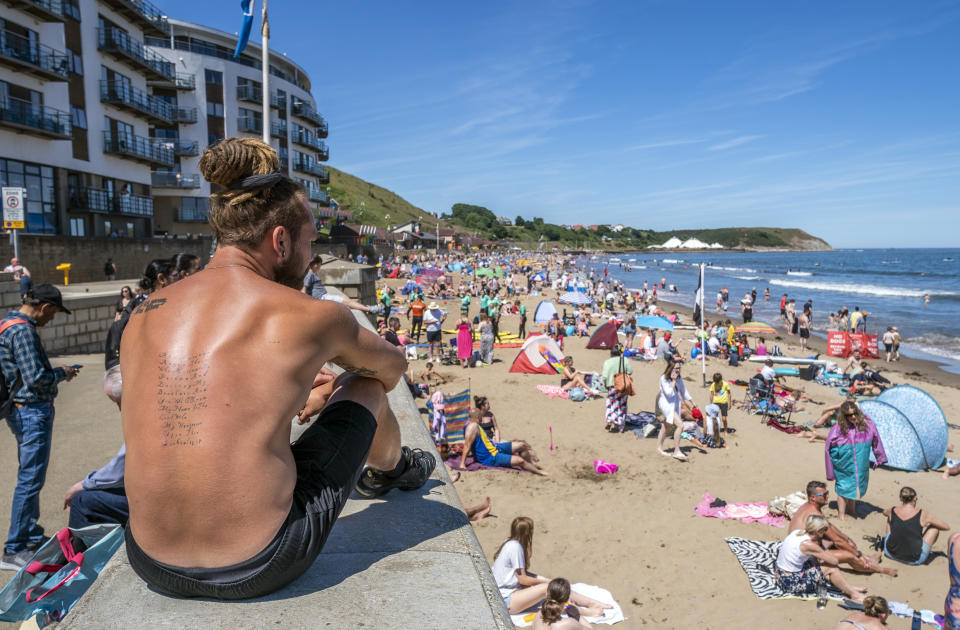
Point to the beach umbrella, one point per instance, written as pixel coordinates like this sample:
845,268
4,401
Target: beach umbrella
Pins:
653,321
756,328
577,298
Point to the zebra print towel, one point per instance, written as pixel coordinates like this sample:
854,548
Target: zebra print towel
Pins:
757,557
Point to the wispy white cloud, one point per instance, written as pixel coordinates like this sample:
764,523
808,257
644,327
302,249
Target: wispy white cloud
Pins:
734,142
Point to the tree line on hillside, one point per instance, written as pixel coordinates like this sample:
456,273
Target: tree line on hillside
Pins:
486,224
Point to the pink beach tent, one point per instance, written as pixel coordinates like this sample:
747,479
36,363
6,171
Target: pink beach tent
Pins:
539,354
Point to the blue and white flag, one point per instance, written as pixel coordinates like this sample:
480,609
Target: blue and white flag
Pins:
247,6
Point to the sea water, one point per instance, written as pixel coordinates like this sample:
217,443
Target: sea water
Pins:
889,284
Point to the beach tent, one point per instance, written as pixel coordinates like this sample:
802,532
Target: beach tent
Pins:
539,354
912,427
545,312
604,337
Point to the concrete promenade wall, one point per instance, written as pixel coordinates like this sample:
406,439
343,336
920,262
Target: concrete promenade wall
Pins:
407,560
42,253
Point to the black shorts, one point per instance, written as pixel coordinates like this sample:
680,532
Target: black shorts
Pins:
724,407
330,456
804,333
434,336
888,347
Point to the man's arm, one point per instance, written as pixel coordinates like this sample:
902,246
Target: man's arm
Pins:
362,352
32,364
841,540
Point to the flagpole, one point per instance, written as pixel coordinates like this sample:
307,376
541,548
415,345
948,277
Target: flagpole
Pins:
703,319
265,52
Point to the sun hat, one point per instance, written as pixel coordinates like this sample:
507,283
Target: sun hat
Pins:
433,306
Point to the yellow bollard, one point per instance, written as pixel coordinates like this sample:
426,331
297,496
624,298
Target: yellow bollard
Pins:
65,268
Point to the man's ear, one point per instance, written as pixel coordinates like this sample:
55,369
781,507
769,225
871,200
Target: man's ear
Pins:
280,240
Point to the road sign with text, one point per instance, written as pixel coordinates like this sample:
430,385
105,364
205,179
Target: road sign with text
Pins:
13,214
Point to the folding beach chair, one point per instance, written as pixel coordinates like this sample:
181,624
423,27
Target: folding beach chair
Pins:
761,401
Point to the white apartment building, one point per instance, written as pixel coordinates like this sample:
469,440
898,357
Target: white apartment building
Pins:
106,105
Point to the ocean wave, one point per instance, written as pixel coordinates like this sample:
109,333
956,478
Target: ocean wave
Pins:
863,289
744,269
936,344
799,273
748,277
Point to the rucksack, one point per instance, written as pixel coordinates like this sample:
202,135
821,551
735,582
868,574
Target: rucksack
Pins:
6,403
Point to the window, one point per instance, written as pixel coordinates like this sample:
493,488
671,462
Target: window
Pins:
78,226
213,77
213,138
79,116
74,62
193,209
215,109
41,198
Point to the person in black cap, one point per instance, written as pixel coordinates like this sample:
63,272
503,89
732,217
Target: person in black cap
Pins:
31,386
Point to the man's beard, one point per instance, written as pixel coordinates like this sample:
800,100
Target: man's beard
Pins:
290,274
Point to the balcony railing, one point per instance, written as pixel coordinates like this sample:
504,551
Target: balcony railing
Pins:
303,110
323,153
278,102
103,202
125,96
305,166
138,148
250,93
185,115
323,130
193,215
278,129
315,194
248,124
186,149
29,56
150,18
35,119
46,10
323,176
181,81
173,180
306,139
132,52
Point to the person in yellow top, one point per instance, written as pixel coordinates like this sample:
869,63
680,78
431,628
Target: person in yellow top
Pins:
730,333
720,391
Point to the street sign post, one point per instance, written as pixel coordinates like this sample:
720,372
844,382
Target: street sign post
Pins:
14,217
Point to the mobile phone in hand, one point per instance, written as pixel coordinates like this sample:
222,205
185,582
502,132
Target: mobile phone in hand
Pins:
75,367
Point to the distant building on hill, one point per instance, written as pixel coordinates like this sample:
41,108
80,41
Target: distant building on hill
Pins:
618,227
504,221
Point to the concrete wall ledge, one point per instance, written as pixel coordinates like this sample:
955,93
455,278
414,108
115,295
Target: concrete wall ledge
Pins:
408,560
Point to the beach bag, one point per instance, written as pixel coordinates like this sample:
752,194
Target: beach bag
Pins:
577,394
622,383
6,403
59,574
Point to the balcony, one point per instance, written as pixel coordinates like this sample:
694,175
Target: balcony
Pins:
323,153
278,102
303,110
306,139
322,131
323,177
147,16
103,202
315,194
194,215
250,93
147,150
33,58
186,149
44,10
137,102
173,180
26,117
248,124
185,115
305,166
181,81
278,129
132,52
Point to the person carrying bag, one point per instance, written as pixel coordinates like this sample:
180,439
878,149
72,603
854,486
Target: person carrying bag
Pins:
616,377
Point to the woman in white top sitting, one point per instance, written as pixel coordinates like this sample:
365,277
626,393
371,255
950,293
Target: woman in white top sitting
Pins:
519,588
798,569
674,398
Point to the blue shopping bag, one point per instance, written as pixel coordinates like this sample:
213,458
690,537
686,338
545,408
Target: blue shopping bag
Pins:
59,574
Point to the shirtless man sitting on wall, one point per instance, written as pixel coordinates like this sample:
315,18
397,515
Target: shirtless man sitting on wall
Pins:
838,544
215,367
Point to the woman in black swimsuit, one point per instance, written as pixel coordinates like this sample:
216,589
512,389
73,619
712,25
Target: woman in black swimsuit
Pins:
485,418
570,377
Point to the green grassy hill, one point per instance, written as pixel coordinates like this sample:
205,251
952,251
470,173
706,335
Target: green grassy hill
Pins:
377,202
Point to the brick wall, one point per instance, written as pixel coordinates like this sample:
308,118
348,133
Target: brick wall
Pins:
41,254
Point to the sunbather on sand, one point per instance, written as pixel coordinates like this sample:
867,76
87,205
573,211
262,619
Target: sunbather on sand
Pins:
520,588
798,569
560,611
838,544
431,376
571,377
482,437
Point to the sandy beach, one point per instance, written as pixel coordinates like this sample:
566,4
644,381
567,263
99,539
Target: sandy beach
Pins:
636,534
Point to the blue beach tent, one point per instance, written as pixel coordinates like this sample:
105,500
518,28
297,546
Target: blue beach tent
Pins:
911,425
545,312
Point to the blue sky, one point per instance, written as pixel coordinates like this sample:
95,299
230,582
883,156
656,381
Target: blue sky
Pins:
842,119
